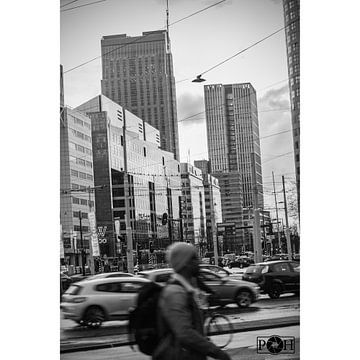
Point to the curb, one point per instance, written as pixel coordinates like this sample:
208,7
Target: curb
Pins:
96,344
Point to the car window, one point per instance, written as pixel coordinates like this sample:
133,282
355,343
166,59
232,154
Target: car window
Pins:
131,287
73,290
109,287
254,269
116,275
281,267
207,276
162,277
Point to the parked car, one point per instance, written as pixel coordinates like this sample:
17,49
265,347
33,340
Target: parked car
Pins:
226,290
275,277
91,302
109,275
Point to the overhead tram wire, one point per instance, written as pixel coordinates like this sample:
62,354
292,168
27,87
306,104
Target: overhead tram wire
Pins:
75,7
249,47
132,42
71,2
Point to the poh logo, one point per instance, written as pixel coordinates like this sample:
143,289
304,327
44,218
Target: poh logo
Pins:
275,344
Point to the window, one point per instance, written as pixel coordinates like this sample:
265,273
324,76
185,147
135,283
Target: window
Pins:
109,287
282,267
131,287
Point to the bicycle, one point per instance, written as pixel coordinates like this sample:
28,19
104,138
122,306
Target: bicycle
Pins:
217,327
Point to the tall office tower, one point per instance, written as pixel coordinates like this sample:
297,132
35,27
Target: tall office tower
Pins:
137,73
233,136
292,23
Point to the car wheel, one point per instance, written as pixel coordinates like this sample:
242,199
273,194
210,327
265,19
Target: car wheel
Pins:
275,291
243,298
94,317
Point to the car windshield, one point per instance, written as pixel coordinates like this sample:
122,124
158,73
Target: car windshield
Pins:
254,269
73,290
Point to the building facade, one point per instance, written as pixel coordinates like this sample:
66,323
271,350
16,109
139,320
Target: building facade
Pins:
137,73
76,177
153,177
213,211
193,209
233,136
292,23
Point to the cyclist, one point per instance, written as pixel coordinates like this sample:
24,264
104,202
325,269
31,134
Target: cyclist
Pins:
180,319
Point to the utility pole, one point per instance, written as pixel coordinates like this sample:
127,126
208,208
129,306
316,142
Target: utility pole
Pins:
91,259
256,222
213,228
129,240
287,230
83,256
277,215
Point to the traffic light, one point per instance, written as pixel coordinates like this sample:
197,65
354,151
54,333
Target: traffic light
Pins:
164,219
151,248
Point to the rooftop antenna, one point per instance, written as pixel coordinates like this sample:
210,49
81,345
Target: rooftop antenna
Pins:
167,27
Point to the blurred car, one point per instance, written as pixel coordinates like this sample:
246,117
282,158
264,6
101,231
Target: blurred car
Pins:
222,271
65,282
275,277
277,257
226,290
296,257
91,302
109,275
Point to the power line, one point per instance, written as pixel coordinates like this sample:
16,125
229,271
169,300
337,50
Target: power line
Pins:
197,12
249,47
75,7
119,47
61,6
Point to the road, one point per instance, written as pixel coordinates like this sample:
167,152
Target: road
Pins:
243,346
263,314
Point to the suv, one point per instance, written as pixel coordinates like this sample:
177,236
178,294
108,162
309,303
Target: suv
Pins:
275,277
225,289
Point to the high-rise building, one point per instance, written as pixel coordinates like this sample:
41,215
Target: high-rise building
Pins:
292,23
153,177
233,136
76,176
193,211
212,201
137,73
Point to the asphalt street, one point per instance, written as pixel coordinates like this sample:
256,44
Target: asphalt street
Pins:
243,346
264,314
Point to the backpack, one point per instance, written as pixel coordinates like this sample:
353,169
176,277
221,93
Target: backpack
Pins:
143,318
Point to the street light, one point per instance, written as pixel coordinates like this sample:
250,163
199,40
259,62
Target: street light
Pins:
199,79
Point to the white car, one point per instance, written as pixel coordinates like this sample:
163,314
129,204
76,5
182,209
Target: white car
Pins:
91,302
108,275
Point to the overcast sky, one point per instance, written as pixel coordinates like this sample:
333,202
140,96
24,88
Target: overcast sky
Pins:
197,44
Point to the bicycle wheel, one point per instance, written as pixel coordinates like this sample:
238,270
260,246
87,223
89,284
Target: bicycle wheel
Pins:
219,330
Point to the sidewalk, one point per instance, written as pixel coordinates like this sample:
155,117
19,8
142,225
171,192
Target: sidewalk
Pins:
121,338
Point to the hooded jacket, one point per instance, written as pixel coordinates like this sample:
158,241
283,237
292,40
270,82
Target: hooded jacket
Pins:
181,326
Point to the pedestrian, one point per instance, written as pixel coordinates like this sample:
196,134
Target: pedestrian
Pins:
180,320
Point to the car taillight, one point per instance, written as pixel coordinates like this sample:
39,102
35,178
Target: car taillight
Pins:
78,300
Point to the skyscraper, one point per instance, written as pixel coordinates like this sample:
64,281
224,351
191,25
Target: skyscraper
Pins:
137,73
233,135
292,23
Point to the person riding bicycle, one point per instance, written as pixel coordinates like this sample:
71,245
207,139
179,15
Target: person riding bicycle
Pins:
180,319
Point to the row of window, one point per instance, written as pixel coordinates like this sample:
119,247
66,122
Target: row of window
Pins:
78,201
80,135
80,148
84,215
81,175
81,162
77,121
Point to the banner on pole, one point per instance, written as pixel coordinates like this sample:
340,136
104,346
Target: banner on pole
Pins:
94,237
